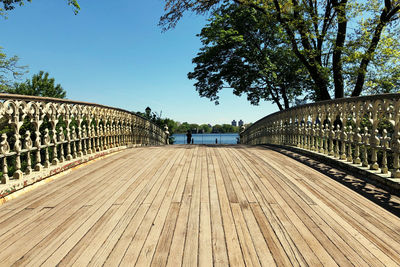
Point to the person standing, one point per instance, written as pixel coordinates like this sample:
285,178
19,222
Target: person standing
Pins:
188,136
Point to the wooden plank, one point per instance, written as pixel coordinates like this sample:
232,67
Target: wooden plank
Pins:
264,253
190,254
205,243
161,253
102,253
241,176
73,239
246,243
217,230
159,184
146,255
133,251
130,204
315,237
197,205
178,241
247,235
55,239
232,243
359,219
281,230
51,199
278,253
41,226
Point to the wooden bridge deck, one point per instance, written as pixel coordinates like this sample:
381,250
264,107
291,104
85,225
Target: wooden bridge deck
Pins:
197,205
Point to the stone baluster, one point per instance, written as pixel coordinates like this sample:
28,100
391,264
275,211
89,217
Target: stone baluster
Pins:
395,145
374,143
37,122
4,149
343,141
55,160
114,134
89,138
74,139
365,140
385,145
84,139
28,144
331,141
16,125
79,137
101,136
320,133
337,140
61,140
307,136
357,142
95,135
326,139
312,136
69,140
46,142
107,136
17,148
350,140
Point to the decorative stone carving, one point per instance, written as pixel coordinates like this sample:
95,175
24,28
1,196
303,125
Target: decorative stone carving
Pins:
64,130
347,129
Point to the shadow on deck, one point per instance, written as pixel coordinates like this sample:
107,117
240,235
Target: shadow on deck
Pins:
202,205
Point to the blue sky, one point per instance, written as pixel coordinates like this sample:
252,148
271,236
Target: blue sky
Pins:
116,55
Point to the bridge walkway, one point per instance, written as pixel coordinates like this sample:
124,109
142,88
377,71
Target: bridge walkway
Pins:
197,205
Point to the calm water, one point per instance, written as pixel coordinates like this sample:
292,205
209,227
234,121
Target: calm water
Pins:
227,138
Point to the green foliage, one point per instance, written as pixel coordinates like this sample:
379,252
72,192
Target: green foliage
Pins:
205,128
39,85
346,46
11,4
9,70
245,50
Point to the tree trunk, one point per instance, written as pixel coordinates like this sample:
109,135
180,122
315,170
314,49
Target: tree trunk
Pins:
338,49
387,13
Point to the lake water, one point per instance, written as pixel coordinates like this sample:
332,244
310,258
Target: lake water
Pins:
226,138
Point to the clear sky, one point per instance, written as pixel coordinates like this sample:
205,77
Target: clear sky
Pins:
113,53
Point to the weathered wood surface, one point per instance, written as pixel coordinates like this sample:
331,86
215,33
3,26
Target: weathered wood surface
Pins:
197,205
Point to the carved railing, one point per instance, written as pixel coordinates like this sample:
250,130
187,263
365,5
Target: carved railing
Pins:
42,136
363,131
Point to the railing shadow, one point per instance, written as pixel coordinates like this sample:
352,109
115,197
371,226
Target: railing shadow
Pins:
379,196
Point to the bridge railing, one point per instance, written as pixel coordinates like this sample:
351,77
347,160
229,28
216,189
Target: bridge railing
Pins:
363,131
41,135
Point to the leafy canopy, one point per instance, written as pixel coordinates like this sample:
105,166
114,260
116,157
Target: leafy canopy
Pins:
39,85
9,70
341,43
6,5
245,50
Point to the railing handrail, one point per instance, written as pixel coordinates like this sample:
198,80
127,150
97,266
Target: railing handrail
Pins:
67,101
42,136
362,131
324,102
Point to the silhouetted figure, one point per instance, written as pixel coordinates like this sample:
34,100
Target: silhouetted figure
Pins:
216,140
189,136
192,141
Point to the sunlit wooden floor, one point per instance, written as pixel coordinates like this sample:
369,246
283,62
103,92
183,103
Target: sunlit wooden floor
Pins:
197,205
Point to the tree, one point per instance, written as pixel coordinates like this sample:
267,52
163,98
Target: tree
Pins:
9,70
11,4
244,50
205,128
336,40
39,85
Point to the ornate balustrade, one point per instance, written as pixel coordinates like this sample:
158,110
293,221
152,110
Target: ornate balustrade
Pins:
42,136
363,131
